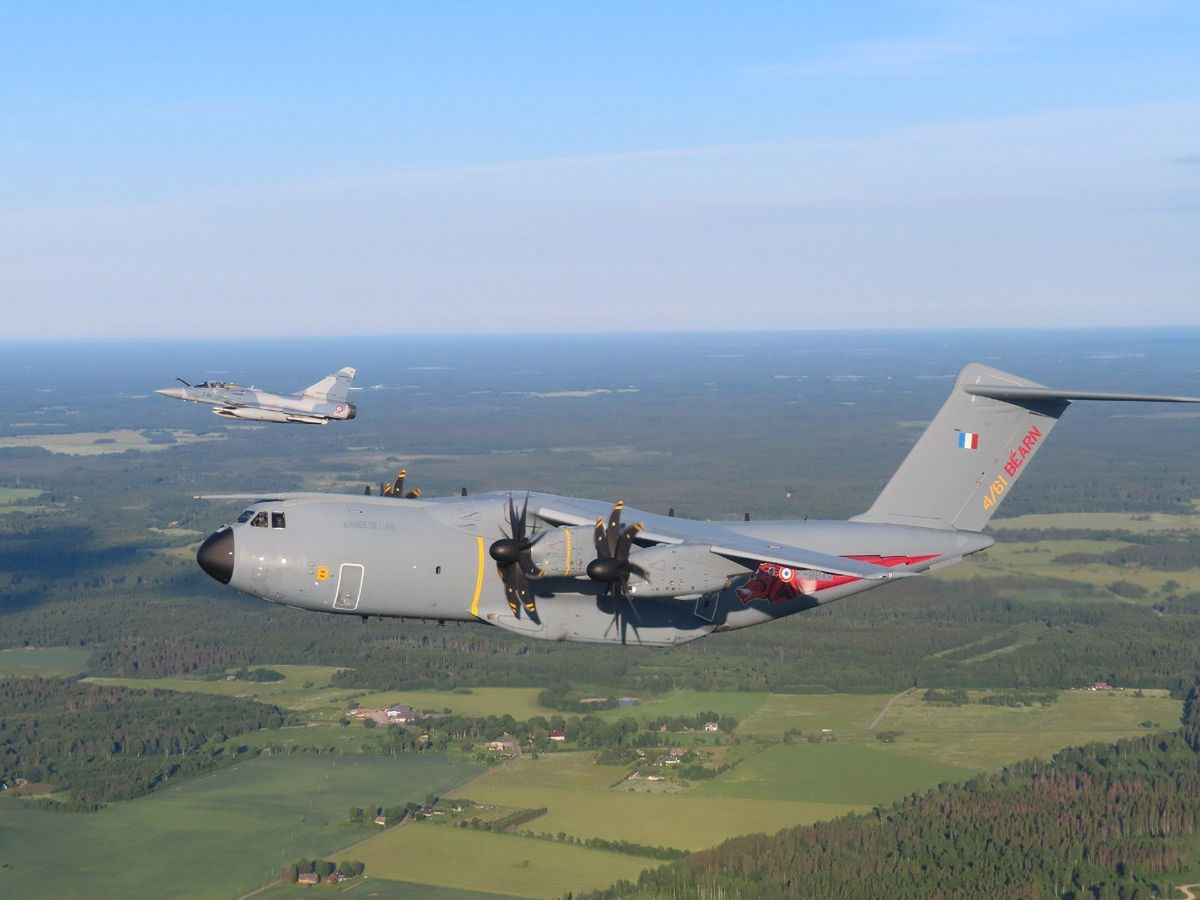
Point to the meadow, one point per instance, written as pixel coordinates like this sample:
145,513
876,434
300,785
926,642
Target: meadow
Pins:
219,836
486,861
96,443
45,661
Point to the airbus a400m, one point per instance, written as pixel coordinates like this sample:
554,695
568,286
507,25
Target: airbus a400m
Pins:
572,569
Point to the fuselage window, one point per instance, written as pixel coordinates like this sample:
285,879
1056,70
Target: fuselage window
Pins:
277,520
259,521
245,517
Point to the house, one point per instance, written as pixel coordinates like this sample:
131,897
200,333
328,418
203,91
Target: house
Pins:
401,712
677,752
711,726
1100,686
308,878
557,735
381,820
655,778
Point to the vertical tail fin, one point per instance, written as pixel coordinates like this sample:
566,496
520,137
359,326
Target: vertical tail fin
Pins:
332,387
976,448
969,457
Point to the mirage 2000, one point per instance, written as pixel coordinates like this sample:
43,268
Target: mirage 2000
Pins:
317,404
567,569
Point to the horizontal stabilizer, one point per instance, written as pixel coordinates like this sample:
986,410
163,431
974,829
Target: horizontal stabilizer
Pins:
1009,392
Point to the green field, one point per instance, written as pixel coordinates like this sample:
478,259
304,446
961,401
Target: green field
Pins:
1103,521
847,773
576,793
1038,560
302,687
485,861
44,661
520,703
688,703
308,688
95,443
217,836
16,495
378,889
986,737
844,714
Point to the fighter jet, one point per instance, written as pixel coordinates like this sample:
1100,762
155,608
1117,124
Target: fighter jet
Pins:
568,569
317,404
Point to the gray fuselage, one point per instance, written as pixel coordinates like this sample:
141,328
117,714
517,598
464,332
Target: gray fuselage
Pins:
428,559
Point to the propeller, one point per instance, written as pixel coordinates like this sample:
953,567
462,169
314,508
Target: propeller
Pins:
514,563
611,566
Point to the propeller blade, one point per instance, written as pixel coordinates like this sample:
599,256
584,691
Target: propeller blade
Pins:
625,542
398,484
599,541
613,532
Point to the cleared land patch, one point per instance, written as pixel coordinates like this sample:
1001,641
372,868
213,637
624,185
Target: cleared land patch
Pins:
95,443
846,773
44,661
984,737
575,791
488,861
843,714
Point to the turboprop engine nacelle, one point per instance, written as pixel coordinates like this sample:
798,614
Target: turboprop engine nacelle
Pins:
563,552
681,570
256,415
671,570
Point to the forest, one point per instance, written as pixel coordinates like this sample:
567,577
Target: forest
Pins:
100,744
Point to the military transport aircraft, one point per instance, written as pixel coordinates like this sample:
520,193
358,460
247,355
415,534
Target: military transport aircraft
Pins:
569,569
315,405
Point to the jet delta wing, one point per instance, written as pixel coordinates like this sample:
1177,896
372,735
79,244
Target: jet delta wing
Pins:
576,569
317,404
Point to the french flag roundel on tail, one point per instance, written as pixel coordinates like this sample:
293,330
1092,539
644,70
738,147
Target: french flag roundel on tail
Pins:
968,440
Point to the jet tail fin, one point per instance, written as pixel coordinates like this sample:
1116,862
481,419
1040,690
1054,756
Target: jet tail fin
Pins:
332,387
976,448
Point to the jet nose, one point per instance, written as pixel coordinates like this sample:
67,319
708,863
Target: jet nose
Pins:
176,393
215,555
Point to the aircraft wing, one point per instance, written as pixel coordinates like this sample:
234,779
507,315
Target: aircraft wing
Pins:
751,551
559,517
747,551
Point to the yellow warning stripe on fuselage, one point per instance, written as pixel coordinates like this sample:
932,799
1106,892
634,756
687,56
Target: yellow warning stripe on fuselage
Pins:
478,579
567,532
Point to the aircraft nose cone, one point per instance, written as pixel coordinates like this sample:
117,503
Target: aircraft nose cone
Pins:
215,555
176,393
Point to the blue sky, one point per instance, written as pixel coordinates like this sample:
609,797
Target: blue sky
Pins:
298,169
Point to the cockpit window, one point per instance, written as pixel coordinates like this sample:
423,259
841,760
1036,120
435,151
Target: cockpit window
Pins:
245,517
277,520
259,521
